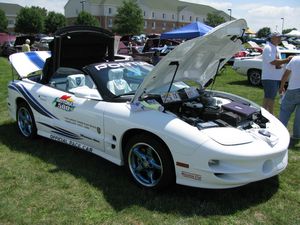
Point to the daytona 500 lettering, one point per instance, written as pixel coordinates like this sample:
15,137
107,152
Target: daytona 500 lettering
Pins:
70,142
65,102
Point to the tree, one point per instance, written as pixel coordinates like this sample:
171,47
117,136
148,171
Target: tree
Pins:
288,30
3,21
263,32
129,19
54,21
85,18
30,20
213,19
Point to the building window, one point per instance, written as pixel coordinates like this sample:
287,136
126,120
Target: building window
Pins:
109,10
182,17
153,25
144,13
173,16
11,22
153,15
145,24
191,18
110,22
163,16
164,25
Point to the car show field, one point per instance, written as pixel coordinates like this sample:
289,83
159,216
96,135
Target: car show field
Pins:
48,182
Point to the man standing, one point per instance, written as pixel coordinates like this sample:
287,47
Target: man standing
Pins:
272,70
291,99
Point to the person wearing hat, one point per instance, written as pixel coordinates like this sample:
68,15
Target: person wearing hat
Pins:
25,46
272,70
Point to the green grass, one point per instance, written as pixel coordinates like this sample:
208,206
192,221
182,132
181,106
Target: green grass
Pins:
43,182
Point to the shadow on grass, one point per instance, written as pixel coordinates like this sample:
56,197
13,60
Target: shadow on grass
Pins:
121,193
243,83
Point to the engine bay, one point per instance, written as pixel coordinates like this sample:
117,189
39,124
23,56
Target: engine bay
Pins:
206,109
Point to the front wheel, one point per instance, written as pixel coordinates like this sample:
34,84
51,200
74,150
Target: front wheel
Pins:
25,120
148,162
254,77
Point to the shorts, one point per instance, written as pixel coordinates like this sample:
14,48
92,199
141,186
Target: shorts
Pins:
271,87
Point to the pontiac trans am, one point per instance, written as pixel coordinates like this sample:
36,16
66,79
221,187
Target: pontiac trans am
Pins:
160,122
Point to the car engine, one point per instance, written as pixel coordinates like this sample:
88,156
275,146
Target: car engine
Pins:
208,109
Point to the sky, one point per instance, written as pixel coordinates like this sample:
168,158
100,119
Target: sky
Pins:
257,13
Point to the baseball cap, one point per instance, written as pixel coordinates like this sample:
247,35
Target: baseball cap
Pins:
274,34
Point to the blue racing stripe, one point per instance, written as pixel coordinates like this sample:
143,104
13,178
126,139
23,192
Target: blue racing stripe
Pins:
35,59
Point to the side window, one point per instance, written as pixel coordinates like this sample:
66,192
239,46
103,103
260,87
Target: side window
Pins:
59,80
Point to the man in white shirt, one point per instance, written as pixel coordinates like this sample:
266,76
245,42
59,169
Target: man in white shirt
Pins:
291,99
272,71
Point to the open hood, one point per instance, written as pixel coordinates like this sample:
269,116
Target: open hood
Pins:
197,59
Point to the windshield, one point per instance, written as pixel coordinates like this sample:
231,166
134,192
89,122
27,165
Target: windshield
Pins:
121,78
117,79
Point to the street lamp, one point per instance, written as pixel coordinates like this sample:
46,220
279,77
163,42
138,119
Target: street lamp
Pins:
282,24
82,5
230,10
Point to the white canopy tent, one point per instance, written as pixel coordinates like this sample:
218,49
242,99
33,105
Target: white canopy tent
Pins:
293,33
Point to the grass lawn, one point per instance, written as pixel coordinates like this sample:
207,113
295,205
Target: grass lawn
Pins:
44,182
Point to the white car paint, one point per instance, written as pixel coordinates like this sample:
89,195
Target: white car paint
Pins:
244,65
212,157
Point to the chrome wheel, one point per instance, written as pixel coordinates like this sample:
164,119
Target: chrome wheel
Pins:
254,77
25,120
145,164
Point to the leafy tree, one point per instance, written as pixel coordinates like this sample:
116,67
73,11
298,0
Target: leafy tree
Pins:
42,11
213,19
54,21
30,20
288,30
3,21
263,32
85,18
129,19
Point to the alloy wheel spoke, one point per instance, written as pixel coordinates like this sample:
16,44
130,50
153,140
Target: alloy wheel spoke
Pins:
154,165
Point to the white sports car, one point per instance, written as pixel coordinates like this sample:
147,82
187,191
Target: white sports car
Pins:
159,122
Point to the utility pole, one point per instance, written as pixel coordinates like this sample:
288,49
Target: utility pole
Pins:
230,10
82,5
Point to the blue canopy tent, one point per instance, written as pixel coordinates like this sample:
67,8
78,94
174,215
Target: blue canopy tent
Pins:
189,31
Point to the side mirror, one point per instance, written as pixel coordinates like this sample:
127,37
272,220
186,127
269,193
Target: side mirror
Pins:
86,92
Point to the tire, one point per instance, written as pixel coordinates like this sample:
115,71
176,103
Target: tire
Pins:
148,162
254,77
25,121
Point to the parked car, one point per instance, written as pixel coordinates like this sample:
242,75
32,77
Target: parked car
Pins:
147,118
7,48
252,66
17,45
248,52
43,43
136,55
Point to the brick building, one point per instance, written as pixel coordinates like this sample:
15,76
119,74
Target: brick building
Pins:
11,11
159,15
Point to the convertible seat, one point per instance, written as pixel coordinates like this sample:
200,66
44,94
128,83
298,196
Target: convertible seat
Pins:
116,84
75,80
